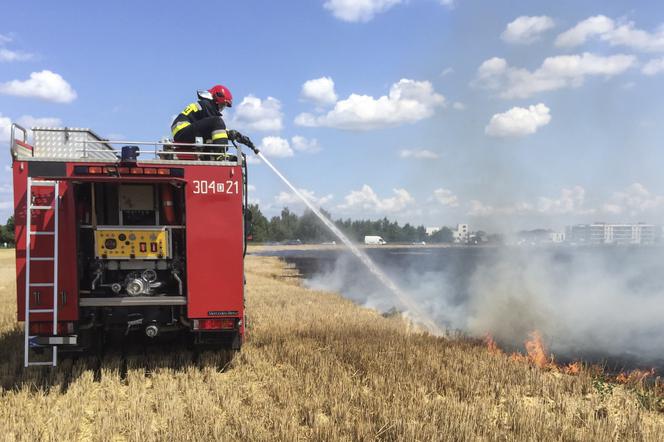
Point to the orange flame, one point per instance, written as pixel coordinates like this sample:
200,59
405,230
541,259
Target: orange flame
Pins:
491,345
536,350
635,376
573,368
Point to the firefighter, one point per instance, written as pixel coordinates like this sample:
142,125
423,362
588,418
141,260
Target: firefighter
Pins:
203,119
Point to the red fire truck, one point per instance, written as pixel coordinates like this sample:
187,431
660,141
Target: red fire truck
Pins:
147,240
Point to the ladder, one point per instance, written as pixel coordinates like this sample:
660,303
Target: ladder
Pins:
29,259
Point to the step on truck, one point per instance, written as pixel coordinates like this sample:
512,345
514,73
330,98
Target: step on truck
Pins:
126,238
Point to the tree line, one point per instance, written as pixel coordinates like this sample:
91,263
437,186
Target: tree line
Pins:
307,228
7,233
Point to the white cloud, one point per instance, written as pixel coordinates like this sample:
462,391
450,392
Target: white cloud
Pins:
446,197
518,121
366,199
418,154
633,200
555,73
570,201
358,10
256,114
28,121
616,34
457,105
448,3
5,129
446,71
306,145
45,85
654,67
408,101
525,30
4,39
290,199
276,147
7,55
320,91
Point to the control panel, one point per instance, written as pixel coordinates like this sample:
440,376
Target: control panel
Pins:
132,243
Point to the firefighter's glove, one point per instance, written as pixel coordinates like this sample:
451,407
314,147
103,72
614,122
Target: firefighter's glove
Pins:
234,135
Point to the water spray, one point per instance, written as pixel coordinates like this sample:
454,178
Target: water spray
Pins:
406,300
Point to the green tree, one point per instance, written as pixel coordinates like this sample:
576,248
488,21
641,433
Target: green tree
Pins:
260,226
444,235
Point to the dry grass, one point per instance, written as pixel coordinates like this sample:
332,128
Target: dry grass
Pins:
315,367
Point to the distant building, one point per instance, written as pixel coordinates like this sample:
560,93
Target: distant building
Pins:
462,233
431,230
557,237
605,233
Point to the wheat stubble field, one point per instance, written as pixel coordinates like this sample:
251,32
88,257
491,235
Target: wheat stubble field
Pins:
315,367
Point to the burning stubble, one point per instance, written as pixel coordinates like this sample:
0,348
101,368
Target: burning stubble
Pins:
591,304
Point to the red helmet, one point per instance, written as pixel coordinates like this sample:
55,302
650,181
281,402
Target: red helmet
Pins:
221,95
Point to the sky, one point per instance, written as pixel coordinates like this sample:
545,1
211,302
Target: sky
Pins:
506,115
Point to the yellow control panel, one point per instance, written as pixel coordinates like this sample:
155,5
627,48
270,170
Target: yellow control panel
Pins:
131,243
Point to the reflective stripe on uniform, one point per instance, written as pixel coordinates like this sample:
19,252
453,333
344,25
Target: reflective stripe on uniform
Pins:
219,134
193,107
179,126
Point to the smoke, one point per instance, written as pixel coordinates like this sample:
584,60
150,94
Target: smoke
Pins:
591,304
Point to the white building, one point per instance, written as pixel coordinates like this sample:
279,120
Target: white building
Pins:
462,233
431,230
604,233
557,237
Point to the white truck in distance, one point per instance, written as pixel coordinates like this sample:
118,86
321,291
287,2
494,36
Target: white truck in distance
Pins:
374,240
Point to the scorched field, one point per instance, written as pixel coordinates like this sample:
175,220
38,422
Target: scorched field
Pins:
315,367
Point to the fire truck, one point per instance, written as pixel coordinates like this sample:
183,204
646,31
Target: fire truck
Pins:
126,238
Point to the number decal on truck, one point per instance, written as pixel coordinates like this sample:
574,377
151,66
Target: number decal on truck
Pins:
202,187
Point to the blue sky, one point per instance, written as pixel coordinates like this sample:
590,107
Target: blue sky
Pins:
503,114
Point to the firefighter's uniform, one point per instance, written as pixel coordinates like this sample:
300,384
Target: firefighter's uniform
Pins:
200,119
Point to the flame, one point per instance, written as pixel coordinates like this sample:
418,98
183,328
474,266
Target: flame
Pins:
573,368
536,350
491,345
635,376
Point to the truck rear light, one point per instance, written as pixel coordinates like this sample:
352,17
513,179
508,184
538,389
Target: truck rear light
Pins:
46,328
149,171
214,324
136,171
124,170
161,171
94,170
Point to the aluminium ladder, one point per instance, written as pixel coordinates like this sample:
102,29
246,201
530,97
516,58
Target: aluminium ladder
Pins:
29,259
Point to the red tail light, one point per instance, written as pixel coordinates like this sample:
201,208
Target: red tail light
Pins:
214,324
163,171
94,170
136,171
149,171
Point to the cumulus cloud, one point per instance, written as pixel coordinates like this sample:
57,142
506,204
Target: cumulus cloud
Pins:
634,200
5,129
518,121
654,67
8,55
320,91
45,85
525,29
408,101
446,197
366,199
276,147
27,121
358,10
614,33
256,114
555,73
290,199
306,145
570,201
457,105
419,154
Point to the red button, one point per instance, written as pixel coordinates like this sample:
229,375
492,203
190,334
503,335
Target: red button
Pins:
153,246
143,247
